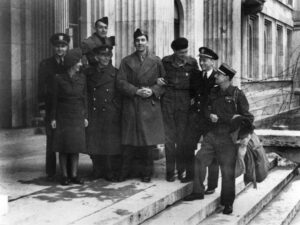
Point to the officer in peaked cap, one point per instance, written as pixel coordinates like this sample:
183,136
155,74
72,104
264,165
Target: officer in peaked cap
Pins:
104,130
226,103
179,67
48,68
198,125
96,39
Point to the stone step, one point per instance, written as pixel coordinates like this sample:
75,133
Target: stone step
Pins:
189,213
252,201
139,207
283,208
296,219
192,212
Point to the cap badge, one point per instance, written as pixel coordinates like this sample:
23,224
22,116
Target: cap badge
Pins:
61,37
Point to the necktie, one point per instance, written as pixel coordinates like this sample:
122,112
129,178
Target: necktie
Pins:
205,76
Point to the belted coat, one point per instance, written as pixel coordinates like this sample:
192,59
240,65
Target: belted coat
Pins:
142,122
104,110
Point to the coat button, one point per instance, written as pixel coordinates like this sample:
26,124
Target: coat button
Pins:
94,108
105,100
198,103
107,90
198,95
94,89
103,109
94,99
198,110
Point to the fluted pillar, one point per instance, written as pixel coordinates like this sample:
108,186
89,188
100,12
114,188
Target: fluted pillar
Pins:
222,31
61,15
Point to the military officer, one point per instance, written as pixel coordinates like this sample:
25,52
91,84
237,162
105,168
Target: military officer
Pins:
175,104
48,68
198,125
97,39
142,122
104,107
226,102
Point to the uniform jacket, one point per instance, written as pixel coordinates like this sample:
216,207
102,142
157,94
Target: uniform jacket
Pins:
223,104
142,122
200,90
177,92
104,109
69,110
48,68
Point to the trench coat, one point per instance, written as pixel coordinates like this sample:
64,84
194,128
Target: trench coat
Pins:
69,110
142,122
104,110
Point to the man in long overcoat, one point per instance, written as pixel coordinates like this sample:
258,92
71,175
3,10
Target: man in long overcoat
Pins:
48,68
95,40
142,123
104,107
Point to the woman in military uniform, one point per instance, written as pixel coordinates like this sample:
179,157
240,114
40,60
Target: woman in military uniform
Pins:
104,107
69,116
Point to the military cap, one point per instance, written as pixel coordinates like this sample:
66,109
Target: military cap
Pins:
60,38
208,53
138,32
103,49
179,43
72,57
242,126
103,20
227,70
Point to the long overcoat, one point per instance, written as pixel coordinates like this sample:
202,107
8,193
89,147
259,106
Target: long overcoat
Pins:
69,110
142,123
104,109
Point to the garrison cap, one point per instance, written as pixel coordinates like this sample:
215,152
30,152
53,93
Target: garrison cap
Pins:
227,70
179,43
138,32
60,38
103,20
72,57
208,53
103,49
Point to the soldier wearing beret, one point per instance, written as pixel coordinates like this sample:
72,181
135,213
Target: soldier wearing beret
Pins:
104,107
175,104
97,39
142,122
48,68
198,125
226,102
69,116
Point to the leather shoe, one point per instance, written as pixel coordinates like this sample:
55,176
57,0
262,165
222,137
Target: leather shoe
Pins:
180,176
65,181
227,209
76,180
209,191
186,180
170,178
146,179
194,196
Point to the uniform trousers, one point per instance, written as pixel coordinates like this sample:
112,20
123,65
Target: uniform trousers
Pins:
197,127
217,144
50,155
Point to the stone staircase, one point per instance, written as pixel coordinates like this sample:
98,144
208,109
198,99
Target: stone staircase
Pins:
275,201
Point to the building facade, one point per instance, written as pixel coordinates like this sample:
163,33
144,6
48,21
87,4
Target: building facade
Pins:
259,38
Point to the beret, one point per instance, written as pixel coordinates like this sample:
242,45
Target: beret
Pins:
179,43
72,57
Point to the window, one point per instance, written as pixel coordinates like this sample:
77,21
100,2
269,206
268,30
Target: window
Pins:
288,51
279,52
290,2
176,20
268,49
253,47
74,15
